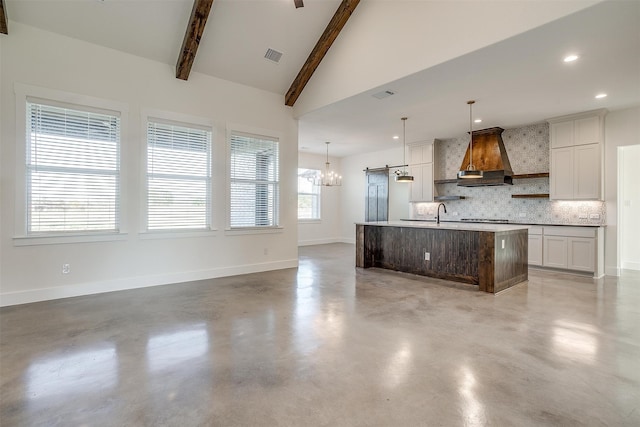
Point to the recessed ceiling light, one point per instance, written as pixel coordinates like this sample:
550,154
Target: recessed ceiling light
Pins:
396,137
570,58
477,121
601,95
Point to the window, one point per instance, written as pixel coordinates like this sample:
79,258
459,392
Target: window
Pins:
254,192
72,168
178,176
308,194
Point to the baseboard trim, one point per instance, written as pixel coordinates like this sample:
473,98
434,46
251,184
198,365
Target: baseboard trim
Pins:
612,271
91,288
319,241
630,265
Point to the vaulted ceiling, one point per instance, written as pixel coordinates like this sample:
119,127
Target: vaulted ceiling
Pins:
515,81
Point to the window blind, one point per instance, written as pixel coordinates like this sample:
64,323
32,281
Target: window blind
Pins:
308,194
72,167
178,176
254,180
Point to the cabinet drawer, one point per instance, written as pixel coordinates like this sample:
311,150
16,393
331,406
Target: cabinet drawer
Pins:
569,231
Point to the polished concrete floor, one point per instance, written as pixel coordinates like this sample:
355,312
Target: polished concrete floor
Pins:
328,345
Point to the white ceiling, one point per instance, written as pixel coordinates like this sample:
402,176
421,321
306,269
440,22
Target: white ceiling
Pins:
518,81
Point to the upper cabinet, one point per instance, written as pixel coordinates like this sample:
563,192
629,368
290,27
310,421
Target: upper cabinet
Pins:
421,168
576,158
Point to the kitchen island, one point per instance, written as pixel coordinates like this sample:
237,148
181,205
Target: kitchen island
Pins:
491,256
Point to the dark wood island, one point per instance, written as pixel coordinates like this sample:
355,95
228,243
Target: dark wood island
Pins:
491,256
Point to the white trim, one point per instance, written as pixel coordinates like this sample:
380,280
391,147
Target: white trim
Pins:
320,241
230,128
303,221
176,234
59,239
612,271
91,288
630,265
253,230
179,119
23,92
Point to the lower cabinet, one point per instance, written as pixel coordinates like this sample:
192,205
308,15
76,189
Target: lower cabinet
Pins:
535,245
572,248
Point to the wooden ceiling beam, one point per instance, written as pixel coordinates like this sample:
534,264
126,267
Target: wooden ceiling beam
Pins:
4,29
340,18
192,36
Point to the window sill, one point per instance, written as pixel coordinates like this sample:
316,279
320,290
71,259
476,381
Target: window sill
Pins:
60,239
176,234
309,221
254,230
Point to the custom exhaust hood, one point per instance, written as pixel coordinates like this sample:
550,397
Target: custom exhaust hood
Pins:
490,157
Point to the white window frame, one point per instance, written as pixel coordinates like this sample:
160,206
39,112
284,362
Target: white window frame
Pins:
27,93
317,194
180,120
257,132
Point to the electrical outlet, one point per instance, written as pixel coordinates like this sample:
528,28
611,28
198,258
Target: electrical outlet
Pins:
522,214
582,216
594,216
455,214
427,256
66,268
266,251
502,243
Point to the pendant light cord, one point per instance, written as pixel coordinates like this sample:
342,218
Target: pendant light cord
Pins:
471,166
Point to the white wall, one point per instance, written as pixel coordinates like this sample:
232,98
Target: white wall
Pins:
622,128
28,273
629,206
327,230
354,189
381,28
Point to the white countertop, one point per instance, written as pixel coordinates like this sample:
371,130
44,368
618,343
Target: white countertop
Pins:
449,225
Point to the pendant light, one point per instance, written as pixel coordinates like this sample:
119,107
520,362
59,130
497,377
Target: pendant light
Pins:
471,171
329,178
403,176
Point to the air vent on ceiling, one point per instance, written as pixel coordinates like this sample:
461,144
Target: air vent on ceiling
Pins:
273,55
383,94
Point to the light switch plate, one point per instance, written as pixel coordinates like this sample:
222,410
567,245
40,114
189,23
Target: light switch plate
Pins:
594,216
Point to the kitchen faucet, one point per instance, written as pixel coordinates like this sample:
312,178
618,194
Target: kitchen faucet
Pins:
438,212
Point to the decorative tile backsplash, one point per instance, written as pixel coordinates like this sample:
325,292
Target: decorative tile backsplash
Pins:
528,151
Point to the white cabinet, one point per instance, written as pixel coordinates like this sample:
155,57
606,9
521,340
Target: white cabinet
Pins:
581,253
576,171
421,168
535,245
586,171
422,185
572,248
555,252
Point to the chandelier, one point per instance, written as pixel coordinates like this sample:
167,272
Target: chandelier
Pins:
329,178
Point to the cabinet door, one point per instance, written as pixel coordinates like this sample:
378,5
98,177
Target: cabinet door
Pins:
535,249
427,182
561,134
422,185
582,255
420,153
586,172
415,154
554,251
586,131
415,192
561,174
